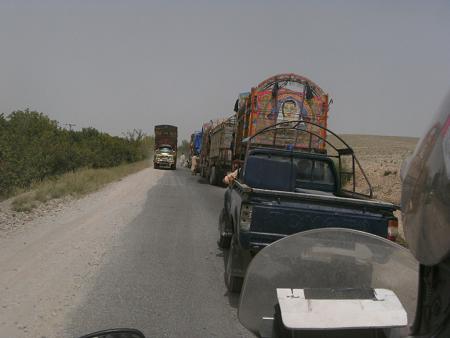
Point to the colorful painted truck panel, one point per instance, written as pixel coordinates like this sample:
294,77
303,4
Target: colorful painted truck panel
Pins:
281,98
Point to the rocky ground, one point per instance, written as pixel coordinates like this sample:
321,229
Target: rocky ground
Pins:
11,221
47,256
381,158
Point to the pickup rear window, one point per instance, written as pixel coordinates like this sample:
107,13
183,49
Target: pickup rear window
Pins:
313,174
287,173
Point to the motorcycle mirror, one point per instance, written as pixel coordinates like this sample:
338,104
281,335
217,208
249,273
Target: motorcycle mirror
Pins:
116,333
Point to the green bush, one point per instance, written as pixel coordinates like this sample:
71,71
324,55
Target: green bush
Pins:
34,147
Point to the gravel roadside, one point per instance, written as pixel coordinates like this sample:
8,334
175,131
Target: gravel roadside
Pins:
49,256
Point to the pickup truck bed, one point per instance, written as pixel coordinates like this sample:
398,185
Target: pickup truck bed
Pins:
276,214
253,218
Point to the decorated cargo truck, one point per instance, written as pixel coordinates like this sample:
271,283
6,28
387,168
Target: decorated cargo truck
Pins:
281,98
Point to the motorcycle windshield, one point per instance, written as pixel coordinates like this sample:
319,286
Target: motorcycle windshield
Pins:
327,258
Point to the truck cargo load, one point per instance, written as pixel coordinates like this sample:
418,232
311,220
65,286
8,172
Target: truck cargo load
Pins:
281,98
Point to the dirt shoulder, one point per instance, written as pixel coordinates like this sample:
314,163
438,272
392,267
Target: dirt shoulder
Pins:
47,256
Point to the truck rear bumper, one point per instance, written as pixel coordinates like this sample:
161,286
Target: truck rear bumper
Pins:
255,241
164,164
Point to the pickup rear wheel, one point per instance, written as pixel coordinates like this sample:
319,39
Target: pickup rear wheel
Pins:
233,283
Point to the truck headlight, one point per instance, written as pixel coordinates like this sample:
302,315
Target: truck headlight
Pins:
246,217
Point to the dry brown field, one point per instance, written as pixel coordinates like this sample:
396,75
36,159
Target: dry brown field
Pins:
381,158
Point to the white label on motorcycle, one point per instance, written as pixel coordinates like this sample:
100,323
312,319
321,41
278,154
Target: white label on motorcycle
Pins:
382,311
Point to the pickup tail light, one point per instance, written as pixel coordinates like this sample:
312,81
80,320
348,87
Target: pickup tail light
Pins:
392,229
246,217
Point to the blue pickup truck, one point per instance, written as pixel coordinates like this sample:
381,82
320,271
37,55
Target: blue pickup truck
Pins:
280,191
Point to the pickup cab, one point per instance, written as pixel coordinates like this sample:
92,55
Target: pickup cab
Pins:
279,192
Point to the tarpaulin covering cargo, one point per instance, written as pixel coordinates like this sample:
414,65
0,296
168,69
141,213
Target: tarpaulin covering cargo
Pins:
282,98
198,142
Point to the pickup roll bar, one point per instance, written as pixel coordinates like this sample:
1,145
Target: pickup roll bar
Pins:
300,126
290,77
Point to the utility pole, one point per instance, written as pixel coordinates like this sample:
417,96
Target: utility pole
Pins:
70,125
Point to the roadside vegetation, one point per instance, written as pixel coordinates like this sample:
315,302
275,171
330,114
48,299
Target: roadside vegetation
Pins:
75,184
36,152
184,148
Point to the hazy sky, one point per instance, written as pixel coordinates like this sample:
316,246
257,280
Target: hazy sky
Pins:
119,65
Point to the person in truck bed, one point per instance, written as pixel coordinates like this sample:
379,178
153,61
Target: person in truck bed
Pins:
229,178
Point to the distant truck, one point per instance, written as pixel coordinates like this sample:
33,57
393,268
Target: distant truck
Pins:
216,162
195,146
205,148
165,153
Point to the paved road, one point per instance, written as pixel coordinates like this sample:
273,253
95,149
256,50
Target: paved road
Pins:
165,273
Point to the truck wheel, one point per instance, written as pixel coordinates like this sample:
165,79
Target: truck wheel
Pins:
233,283
224,241
213,176
155,166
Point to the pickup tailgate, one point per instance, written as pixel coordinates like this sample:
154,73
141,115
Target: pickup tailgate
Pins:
278,214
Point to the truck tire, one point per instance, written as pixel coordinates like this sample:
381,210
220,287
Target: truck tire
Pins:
155,166
213,176
224,242
233,283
